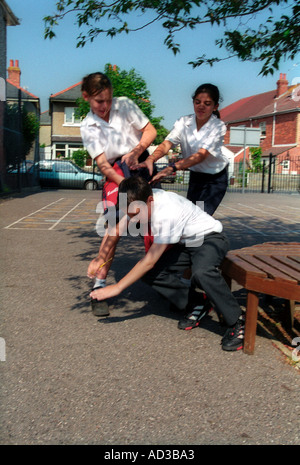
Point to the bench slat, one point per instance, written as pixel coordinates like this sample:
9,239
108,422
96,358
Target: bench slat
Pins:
271,272
296,258
272,261
288,261
242,265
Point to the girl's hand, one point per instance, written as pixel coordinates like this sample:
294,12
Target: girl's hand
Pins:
105,292
162,174
130,159
148,163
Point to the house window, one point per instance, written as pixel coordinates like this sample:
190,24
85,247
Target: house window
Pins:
262,129
70,117
73,148
285,165
59,151
65,150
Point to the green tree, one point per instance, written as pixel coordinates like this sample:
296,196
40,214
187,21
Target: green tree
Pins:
256,161
22,130
162,132
129,84
275,38
79,157
30,129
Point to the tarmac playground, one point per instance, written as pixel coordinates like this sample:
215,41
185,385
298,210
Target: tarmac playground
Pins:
131,378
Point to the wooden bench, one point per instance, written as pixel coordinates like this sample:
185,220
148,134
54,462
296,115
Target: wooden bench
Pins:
272,268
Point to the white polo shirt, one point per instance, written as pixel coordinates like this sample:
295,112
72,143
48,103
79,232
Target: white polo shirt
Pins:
176,219
117,137
209,137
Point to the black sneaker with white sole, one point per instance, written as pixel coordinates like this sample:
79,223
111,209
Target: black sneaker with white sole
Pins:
99,307
198,312
233,338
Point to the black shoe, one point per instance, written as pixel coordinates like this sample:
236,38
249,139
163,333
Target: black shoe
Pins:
233,338
99,307
192,319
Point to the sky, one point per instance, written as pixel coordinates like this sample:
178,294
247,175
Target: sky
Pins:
50,66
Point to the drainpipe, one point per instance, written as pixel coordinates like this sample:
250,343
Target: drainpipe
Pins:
274,124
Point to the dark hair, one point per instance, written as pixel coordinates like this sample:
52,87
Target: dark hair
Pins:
211,90
95,83
136,188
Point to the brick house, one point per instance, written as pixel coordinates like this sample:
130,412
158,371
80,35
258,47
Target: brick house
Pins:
13,86
63,126
7,18
277,114
29,101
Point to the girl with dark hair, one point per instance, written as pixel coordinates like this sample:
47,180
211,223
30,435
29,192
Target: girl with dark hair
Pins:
200,136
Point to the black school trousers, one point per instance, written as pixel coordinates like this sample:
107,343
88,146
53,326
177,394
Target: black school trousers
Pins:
208,188
204,261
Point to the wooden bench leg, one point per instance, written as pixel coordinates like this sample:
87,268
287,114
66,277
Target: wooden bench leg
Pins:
251,322
290,306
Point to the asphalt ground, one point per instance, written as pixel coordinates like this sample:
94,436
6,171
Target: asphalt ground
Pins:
70,378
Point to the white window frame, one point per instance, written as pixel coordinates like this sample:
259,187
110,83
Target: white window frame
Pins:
263,129
285,165
69,117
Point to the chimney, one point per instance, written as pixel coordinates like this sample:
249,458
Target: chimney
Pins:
282,85
14,72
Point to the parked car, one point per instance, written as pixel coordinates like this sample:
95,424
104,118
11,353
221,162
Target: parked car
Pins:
65,174
25,166
170,177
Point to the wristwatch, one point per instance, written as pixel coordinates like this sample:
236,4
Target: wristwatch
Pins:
173,166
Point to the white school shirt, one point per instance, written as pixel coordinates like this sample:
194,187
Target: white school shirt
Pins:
176,219
117,137
209,137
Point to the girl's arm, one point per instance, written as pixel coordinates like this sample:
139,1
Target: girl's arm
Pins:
183,164
107,170
148,136
159,152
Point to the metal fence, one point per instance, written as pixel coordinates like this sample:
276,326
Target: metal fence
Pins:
16,172
274,175
271,178
62,174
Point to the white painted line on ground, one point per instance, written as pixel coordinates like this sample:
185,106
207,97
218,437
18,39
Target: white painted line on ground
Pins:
278,209
15,222
266,212
260,219
30,229
257,231
57,222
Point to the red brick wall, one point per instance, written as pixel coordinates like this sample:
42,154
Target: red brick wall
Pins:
285,130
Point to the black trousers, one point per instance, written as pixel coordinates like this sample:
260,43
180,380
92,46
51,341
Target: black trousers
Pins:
204,261
208,188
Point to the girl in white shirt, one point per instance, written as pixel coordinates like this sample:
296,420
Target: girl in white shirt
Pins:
115,128
200,136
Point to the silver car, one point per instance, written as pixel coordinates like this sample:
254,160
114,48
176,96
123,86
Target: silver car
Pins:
65,174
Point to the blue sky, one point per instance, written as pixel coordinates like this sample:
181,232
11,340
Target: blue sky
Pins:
49,66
